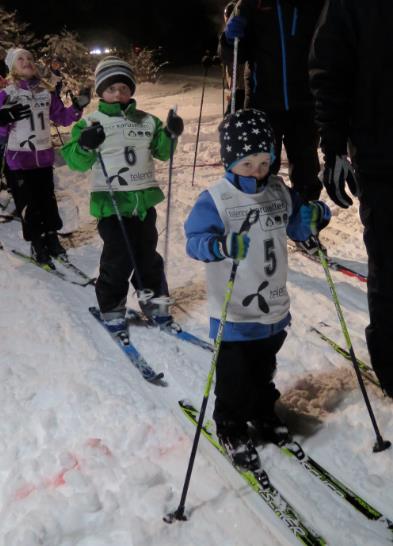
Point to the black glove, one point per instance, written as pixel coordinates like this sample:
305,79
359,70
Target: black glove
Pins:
174,124
14,112
91,137
82,100
336,172
207,60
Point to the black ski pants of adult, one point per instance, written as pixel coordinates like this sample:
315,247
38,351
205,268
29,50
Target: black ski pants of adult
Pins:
376,197
35,201
244,388
296,129
116,265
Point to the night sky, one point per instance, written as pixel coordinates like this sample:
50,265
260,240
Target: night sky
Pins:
184,28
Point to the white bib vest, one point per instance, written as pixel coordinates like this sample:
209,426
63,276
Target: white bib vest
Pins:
125,152
260,293
33,133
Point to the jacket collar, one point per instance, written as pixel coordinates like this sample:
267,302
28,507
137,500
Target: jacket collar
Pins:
244,183
115,108
28,85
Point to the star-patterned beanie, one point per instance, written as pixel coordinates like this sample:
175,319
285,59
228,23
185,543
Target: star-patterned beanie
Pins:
246,132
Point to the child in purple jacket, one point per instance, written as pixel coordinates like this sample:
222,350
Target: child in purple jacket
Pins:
29,105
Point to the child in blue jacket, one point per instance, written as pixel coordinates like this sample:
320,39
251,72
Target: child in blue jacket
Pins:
259,309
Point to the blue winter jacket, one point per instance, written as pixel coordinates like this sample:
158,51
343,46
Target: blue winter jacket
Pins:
204,223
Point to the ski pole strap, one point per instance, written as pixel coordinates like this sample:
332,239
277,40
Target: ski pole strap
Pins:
251,219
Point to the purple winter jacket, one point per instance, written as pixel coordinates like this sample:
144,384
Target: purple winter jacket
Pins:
58,113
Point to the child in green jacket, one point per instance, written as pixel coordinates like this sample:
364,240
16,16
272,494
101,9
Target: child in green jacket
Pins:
128,140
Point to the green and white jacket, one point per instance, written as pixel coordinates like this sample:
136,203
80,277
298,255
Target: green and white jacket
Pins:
133,139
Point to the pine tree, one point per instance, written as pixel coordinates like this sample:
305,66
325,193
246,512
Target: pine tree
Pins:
77,63
14,33
147,63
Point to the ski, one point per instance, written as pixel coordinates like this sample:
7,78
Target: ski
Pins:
260,483
172,328
131,352
365,369
295,451
333,264
69,265
48,268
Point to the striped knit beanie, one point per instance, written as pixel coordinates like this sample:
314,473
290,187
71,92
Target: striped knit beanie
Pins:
113,70
246,132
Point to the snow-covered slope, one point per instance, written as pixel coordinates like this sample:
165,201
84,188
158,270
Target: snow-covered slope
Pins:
92,455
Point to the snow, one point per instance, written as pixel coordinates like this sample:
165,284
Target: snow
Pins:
93,455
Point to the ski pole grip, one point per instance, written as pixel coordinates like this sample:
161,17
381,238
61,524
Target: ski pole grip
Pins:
251,219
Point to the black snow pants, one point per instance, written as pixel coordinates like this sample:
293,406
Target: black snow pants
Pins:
35,201
116,265
244,389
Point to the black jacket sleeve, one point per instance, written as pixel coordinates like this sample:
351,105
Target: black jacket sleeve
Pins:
332,64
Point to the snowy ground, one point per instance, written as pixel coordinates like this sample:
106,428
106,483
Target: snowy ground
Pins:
92,455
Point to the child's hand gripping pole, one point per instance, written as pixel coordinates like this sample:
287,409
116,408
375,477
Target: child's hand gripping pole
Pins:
178,514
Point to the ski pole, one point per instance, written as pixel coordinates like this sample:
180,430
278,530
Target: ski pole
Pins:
168,206
223,91
58,134
380,444
206,66
143,294
234,75
251,218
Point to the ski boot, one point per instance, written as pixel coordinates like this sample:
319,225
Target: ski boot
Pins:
270,429
55,249
239,447
156,310
40,253
118,327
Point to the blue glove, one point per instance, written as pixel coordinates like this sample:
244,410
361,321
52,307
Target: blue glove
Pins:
235,28
317,214
234,246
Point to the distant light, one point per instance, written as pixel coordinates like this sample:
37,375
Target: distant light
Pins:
99,51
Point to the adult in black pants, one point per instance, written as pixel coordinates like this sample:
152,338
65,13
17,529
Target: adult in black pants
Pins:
351,73
275,37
